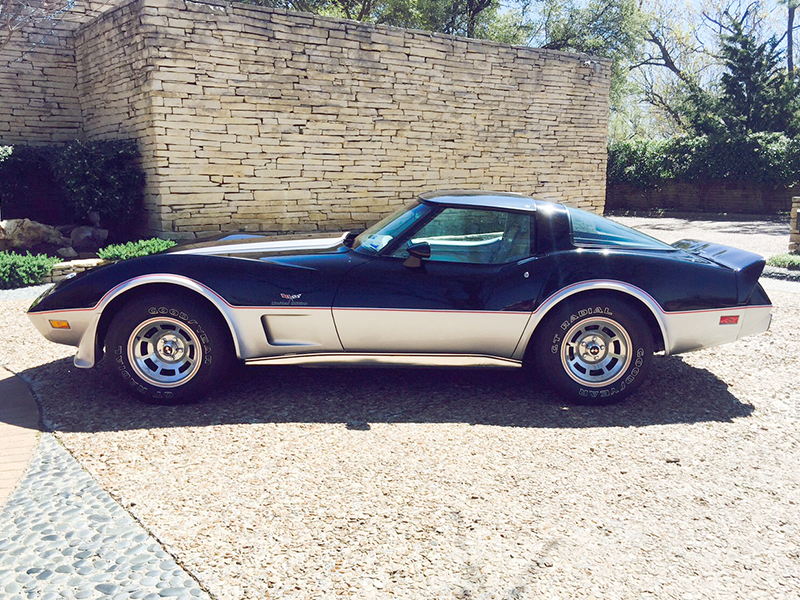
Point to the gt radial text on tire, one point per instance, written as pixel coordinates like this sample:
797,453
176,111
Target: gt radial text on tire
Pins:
168,349
594,350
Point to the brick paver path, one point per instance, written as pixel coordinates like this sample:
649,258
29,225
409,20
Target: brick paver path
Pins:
19,431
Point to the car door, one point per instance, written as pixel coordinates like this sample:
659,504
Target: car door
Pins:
472,296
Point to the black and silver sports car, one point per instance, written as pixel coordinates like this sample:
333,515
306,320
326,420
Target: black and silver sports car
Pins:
454,279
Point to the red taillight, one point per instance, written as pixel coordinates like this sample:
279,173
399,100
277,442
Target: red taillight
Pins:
729,320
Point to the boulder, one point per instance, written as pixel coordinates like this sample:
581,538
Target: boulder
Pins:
87,238
24,234
67,253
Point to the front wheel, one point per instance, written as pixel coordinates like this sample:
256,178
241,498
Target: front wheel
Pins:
594,350
168,349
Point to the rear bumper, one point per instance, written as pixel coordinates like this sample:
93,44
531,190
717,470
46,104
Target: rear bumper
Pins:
687,331
756,322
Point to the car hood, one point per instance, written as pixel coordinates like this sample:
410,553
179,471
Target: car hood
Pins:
242,245
208,261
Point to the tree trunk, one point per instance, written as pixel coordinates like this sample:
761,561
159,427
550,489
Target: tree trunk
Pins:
789,40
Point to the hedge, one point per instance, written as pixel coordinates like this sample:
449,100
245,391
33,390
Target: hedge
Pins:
764,158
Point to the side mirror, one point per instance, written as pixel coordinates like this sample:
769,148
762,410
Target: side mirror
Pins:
349,238
416,254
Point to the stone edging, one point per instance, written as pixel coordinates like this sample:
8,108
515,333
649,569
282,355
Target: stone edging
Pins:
780,273
63,270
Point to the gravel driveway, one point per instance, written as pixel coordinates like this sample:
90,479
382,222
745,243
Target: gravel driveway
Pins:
325,483
765,236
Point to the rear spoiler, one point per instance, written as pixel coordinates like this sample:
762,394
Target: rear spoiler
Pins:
747,266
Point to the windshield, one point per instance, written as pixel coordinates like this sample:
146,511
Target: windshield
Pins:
377,237
589,229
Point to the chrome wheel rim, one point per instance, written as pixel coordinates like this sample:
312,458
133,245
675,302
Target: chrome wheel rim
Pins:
596,352
164,352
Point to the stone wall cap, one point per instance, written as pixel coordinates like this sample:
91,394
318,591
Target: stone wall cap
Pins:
84,263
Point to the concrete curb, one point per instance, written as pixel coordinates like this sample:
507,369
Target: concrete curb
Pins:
19,431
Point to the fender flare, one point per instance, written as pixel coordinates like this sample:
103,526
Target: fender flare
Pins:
597,285
86,358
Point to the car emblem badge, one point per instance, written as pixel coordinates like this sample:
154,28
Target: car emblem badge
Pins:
290,299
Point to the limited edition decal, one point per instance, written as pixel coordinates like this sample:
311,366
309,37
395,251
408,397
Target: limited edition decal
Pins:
290,300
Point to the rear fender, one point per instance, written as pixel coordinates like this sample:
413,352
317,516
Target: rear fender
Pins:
601,285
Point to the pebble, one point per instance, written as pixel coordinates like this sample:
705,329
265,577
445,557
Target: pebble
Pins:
39,560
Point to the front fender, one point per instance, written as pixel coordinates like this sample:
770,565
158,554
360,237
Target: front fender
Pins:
84,322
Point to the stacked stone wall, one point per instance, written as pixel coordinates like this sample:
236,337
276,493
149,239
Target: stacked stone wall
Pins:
719,196
255,119
112,70
39,101
113,82
272,121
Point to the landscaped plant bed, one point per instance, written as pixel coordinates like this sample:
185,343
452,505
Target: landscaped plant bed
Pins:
783,266
135,249
789,261
18,270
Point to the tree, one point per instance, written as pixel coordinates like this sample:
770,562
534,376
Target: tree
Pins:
755,93
456,17
791,8
613,29
678,75
19,14
677,68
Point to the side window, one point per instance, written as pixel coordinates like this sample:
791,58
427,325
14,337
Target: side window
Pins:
591,230
475,236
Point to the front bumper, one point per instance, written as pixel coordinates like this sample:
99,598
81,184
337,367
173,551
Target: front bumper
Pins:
82,332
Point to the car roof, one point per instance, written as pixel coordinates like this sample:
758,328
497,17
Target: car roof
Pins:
479,199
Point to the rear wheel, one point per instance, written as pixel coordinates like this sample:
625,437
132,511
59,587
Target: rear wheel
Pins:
168,349
594,350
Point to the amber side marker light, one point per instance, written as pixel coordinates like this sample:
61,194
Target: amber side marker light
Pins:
59,324
731,320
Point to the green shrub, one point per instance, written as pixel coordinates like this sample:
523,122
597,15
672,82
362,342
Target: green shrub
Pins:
102,176
638,162
785,261
28,187
59,184
765,158
17,270
134,249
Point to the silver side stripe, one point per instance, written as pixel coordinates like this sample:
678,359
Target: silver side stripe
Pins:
263,247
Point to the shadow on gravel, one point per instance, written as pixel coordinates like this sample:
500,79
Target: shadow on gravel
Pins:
87,401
